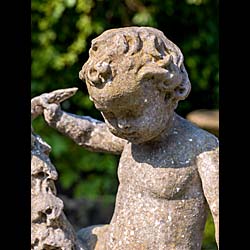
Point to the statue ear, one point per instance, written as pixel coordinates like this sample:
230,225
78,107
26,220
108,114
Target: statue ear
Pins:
152,71
171,79
165,78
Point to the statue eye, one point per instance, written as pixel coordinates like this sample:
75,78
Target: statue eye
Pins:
94,48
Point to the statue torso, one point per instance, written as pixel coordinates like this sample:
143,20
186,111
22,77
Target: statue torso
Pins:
160,202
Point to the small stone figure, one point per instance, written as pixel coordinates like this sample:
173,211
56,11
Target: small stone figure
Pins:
168,170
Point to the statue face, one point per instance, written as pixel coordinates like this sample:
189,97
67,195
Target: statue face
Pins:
124,67
138,116
125,71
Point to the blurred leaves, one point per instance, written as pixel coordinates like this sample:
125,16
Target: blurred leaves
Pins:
209,238
143,18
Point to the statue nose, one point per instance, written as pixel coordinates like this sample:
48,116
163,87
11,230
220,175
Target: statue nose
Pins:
100,73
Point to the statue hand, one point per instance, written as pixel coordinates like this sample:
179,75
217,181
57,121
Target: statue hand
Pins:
52,112
49,104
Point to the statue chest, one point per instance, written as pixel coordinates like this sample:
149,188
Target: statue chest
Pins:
158,174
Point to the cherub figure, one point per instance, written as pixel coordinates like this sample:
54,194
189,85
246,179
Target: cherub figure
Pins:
168,170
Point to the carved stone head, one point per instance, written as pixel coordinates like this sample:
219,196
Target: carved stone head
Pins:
130,69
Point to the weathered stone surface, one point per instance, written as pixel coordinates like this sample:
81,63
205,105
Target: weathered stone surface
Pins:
208,163
50,228
135,77
55,97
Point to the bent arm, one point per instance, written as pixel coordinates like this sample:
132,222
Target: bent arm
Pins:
86,132
208,167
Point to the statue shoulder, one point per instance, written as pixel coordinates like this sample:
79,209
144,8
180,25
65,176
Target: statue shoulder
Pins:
200,139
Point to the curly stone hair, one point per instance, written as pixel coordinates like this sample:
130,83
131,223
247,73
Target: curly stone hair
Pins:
144,51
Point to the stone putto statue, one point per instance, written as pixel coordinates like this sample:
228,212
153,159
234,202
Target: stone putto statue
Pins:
168,170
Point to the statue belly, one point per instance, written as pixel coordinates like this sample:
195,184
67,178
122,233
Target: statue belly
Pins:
157,208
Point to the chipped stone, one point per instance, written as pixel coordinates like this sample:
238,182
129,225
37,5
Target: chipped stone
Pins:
50,228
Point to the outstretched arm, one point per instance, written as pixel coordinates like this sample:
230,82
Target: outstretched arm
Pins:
85,131
208,167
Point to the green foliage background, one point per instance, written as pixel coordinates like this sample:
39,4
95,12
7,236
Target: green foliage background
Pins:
61,35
